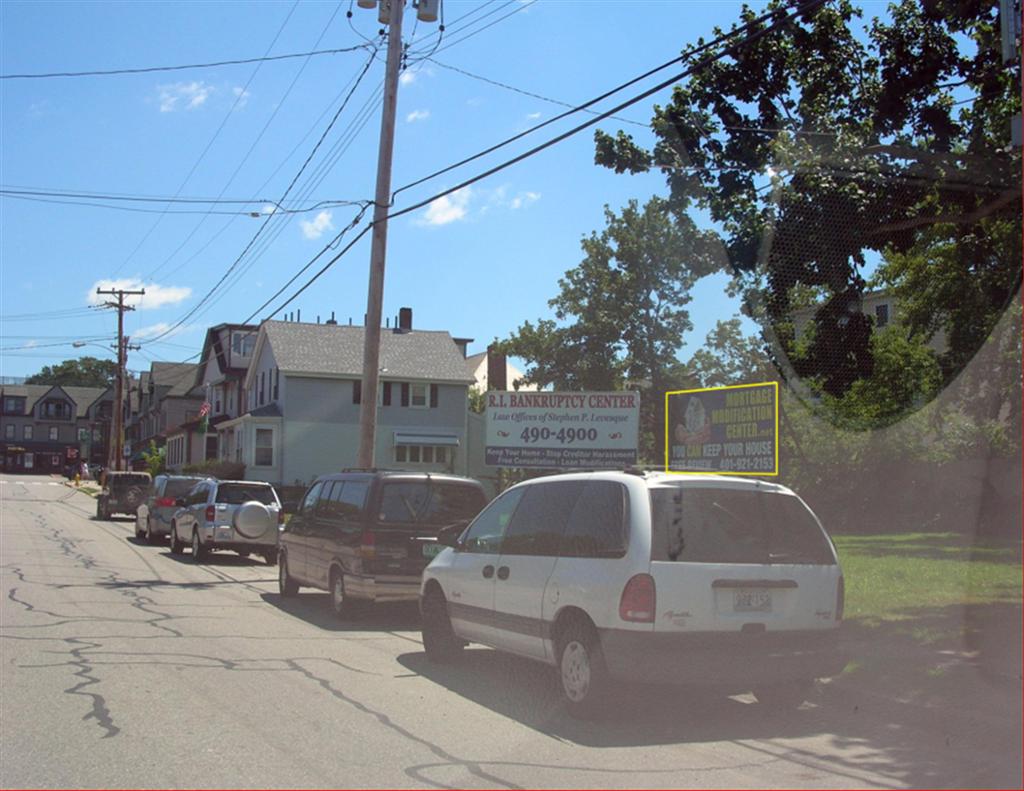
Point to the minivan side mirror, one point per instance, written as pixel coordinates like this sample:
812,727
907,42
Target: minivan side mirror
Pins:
449,534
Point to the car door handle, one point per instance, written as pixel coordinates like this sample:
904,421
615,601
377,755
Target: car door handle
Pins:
503,572
488,572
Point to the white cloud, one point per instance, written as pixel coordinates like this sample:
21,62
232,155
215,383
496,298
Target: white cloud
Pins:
447,208
524,199
30,345
533,116
269,209
241,97
407,78
190,95
317,228
156,296
417,115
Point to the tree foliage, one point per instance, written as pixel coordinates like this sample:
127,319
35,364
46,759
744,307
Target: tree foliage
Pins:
80,372
621,313
818,145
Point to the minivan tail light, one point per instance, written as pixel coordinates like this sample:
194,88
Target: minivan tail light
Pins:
211,513
368,548
165,502
639,600
840,598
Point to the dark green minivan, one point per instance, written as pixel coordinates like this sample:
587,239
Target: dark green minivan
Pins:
367,536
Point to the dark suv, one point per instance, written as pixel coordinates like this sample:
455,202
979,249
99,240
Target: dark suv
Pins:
123,493
369,535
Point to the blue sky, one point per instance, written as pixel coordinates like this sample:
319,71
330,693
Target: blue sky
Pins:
477,263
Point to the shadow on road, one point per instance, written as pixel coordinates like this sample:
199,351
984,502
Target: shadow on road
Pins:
315,609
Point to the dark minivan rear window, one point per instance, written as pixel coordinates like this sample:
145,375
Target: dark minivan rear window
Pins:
429,502
722,525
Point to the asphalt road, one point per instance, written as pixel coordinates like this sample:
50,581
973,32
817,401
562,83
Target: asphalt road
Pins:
124,666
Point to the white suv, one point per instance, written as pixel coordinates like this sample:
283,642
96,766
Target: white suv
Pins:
645,577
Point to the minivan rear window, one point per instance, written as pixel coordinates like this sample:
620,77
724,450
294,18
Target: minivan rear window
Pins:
429,502
723,525
238,493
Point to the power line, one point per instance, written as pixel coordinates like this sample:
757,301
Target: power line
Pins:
532,95
85,194
305,164
520,6
210,65
749,38
584,107
208,212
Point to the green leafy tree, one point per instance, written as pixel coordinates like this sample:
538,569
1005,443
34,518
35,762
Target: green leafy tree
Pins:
814,146
621,313
728,357
155,459
81,372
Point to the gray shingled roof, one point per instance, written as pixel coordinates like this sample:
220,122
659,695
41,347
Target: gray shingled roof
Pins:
337,350
82,396
179,377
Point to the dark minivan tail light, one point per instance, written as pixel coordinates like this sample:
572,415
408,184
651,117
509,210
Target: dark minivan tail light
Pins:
639,600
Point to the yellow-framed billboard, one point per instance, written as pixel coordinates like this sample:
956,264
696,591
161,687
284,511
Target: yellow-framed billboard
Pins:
729,430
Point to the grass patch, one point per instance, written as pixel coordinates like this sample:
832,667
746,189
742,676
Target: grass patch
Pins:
898,577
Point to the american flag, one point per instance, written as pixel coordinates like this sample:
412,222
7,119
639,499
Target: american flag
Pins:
204,410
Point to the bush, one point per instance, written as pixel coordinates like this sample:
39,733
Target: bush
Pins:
216,468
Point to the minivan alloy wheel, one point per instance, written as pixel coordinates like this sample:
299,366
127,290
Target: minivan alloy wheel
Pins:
582,673
340,602
197,547
575,671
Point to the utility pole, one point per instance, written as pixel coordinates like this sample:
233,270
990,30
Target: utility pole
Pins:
115,454
391,14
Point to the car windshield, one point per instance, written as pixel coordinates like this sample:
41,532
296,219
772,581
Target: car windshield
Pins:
723,525
238,493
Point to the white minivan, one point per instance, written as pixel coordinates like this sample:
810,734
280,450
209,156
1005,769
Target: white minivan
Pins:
703,580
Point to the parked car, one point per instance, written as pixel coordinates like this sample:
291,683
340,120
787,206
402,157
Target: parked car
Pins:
367,536
153,517
122,493
241,516
699,580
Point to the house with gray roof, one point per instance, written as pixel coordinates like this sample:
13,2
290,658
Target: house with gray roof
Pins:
43,428
303,398
166,398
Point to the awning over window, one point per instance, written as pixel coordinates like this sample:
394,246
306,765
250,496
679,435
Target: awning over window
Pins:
402,438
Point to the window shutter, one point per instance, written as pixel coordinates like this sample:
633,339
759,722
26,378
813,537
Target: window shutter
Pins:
357,391
405,394
433,396
387,394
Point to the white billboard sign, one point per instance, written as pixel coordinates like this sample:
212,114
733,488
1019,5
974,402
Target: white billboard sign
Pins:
562,430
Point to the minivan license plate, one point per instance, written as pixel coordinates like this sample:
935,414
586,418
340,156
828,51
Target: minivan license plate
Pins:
752,601
432,549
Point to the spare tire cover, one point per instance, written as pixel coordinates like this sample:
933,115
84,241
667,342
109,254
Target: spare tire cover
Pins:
133,497
252,519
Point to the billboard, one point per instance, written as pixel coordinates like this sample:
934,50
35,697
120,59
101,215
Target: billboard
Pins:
562,430
731,430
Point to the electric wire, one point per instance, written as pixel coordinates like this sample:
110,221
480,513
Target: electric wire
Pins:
305,164
209,145
210,65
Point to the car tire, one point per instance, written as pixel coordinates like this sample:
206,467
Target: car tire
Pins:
582,673
271,557
286,584
101,509
439,640
785,696
198,550
177,547
341,604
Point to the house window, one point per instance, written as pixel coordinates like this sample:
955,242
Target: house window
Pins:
421,454
242,343
9,431
263,453
881,315
14,405
53,408
418,396
263,386
29,460
54,433
216,402
211,447
26,432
